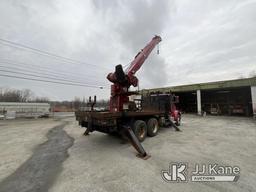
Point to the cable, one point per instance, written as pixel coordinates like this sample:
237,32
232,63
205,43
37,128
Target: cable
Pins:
15,44
48,81
40,76
49,73
9,61
41,51
62,72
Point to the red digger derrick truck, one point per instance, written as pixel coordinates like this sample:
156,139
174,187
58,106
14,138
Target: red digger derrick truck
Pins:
133,122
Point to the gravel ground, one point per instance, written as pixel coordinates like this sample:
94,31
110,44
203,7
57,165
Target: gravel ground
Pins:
53,155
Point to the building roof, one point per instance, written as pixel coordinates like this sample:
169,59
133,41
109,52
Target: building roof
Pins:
23,104
206,86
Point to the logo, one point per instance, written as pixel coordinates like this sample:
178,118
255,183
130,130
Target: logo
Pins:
178,172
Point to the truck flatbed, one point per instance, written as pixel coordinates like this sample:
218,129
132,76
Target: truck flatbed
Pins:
81,115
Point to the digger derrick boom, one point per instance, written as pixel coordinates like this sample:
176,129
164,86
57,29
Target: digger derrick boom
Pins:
122,80
142,56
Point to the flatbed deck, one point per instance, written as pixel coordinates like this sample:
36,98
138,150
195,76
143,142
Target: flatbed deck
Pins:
114,115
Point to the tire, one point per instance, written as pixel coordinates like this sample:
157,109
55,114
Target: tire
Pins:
153,127
140,130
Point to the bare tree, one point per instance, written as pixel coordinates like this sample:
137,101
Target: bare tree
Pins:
26,95
15,95
10,95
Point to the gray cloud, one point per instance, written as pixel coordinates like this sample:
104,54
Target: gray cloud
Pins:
219,45
139,22
145,20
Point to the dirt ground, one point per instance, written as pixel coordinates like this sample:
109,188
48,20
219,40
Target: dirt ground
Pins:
53,155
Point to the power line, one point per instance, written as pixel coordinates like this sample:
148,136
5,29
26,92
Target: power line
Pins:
40,76
60,71
42,52
48,81
10,43
9,61
28,70
52,74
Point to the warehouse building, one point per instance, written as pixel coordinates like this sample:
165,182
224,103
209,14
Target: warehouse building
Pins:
232,97
11,110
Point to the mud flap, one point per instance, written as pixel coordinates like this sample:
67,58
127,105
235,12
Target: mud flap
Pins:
127,132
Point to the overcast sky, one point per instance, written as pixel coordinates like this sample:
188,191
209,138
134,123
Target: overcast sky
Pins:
202,41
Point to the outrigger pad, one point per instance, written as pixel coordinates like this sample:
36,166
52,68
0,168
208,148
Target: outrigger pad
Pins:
143,157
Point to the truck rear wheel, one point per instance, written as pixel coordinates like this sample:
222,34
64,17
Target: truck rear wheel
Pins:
140,130
153,127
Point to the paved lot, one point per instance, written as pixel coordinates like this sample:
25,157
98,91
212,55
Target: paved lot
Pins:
53,155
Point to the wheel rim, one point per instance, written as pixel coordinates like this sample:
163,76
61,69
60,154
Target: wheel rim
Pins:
141,132
155,128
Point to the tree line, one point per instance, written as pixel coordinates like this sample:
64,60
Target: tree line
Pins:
26,95
16,95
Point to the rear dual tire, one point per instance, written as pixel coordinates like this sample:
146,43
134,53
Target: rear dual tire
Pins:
141,129
153,127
